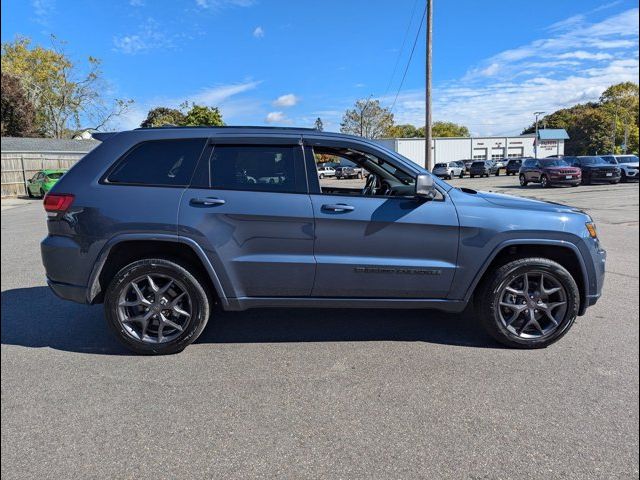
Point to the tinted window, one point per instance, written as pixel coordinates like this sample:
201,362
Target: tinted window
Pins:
163,162
591,160
554,162
267,168
530,163
478,164
54,175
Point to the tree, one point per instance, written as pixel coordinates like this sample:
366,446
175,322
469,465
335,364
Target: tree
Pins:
197,115
159,116
200,115
319,125
367,119
18,113
404,131
63,96
593,126
448,129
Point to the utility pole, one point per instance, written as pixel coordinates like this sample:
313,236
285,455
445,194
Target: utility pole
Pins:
535,150
613,129
428,120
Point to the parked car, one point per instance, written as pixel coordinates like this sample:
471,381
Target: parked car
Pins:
326,171
500,163
449,170
628,165
42,181
595,169
513,166
161,224
347,171
467,165
483,168
548,172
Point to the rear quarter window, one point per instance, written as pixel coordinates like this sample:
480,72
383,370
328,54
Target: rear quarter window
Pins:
159,163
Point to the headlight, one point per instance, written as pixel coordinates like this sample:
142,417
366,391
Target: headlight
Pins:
591,227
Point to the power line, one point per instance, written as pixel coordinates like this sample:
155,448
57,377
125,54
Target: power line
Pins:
404,41
410,57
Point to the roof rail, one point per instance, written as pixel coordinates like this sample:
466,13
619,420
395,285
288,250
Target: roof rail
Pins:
261,127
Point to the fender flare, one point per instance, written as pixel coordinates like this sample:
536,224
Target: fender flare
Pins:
531,241
94,285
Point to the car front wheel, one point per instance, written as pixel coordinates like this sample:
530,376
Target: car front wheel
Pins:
529,303
544,181
156,306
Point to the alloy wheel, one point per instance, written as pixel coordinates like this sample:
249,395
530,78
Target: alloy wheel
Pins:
532,305
154,308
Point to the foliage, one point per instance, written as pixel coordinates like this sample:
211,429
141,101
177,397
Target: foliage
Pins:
197,115
319,125
62,95
404,131
448,129
591,125
367,119
18,113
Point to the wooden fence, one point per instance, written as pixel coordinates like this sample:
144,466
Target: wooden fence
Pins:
18,167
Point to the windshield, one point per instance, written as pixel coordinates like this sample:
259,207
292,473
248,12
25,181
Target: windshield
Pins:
627,159
441,165
54,175
477,164
611,160
555,162
591,161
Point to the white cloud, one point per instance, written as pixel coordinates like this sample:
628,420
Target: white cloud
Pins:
288,100
214,95
276,117
258,32
219,4
571,66
150,36
42,10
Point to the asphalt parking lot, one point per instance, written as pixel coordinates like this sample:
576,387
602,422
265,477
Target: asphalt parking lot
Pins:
322,393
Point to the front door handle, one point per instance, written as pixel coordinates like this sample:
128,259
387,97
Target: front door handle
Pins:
207,201
338,207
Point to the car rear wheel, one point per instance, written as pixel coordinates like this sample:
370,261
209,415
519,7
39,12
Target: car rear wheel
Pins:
42,193
156,306
523,181
529,303
29,193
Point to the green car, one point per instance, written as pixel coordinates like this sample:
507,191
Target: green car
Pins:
42,182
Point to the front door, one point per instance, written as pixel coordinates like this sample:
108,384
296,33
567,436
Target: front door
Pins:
373,238
249,209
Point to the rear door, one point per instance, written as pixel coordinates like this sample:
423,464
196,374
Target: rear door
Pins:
248,207
379,246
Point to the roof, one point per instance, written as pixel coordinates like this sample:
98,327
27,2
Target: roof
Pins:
553,134
24,144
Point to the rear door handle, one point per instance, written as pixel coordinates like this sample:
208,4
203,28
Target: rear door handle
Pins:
207,201
338,207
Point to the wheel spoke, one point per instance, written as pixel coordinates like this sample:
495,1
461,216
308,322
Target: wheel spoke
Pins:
143,300
525,284
180,311
175,301
171,323
514,291
152,284
165,288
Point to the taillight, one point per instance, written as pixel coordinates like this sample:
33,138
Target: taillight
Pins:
58,202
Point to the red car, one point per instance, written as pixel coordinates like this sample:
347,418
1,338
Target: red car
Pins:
548,172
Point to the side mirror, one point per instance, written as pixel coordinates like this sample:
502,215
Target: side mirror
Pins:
425,187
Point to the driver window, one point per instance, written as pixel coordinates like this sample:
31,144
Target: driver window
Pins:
343,171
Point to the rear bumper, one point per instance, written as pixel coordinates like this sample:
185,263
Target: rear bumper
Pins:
65,291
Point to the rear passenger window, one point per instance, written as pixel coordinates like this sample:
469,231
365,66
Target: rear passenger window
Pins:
162,162
266,168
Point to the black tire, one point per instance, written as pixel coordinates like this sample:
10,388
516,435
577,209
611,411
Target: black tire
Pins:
29,194
523,181
201,305
488,299
42,193
472,176
461,174
497,173
544,181
586,181
624,178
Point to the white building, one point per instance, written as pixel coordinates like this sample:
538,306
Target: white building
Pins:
447,149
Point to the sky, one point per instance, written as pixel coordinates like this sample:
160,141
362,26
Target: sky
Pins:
276,62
